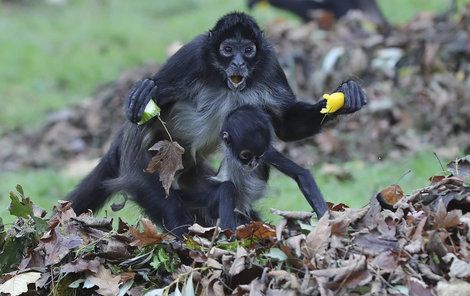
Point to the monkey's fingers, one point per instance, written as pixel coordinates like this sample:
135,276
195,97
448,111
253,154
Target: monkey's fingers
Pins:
355,97
138,99
146,96
130,101
360,98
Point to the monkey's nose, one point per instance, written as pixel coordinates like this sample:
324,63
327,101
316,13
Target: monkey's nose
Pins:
253,163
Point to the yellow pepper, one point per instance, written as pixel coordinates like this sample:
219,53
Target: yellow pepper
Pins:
333,102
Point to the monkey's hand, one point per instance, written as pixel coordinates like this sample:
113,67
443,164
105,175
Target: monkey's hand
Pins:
354,97
138,97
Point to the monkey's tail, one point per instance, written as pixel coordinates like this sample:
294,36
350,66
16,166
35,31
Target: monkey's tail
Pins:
92,193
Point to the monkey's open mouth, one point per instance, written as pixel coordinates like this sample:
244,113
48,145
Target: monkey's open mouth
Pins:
236,80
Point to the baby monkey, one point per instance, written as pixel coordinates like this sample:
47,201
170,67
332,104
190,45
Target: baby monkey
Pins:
243,174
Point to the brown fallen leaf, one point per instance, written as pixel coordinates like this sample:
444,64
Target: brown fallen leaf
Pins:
460,168
212,285
127,276
166,162
280,228
239,264
18,284
385,262
288,280
444,219
149,236
256,229
390,196
206,232
318,239
295,243
81,265
57,246
108,284
353,274
373,244
436,179
297,215
336,208
418,288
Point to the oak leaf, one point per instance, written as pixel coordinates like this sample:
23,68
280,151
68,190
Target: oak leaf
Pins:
18,284
108,284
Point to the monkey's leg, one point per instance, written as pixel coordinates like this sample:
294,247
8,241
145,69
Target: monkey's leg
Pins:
91,192
302,176
226,195
169,211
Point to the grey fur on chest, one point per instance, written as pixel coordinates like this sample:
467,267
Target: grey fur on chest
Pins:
198,120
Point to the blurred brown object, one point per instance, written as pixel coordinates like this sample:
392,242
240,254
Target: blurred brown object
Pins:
325,11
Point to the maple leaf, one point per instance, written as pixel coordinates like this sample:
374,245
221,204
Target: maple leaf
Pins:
149,236
166,162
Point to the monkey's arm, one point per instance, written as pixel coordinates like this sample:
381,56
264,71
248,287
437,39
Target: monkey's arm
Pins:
300,119
169,84
302,176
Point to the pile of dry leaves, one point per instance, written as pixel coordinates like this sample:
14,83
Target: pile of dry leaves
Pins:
83,131
417,244
417,79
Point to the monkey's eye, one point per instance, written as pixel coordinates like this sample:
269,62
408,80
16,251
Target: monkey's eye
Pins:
246,155
226,50
250,51
226,138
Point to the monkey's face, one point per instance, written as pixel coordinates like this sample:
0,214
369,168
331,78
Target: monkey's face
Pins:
248,148
237,57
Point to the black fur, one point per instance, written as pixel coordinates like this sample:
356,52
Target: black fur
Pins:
241,180
195,100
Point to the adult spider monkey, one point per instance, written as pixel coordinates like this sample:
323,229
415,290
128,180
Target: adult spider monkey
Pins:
231,65
244,172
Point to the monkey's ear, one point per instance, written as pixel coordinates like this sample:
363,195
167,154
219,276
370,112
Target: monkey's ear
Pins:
226,138
210,33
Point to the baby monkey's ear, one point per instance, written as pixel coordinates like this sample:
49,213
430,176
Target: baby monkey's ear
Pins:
226,138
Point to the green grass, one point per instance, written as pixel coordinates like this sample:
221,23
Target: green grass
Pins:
53,56
47,186
399,11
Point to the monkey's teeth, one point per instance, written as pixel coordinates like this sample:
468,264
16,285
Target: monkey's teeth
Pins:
236,79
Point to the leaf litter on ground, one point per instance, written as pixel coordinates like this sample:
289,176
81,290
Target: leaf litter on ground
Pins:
399,244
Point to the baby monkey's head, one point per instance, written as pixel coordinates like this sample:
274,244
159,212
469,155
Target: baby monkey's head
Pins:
246,133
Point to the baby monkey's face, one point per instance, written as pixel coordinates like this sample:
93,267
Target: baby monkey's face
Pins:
248,148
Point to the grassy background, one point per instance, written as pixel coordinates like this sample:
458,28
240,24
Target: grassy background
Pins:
52,56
